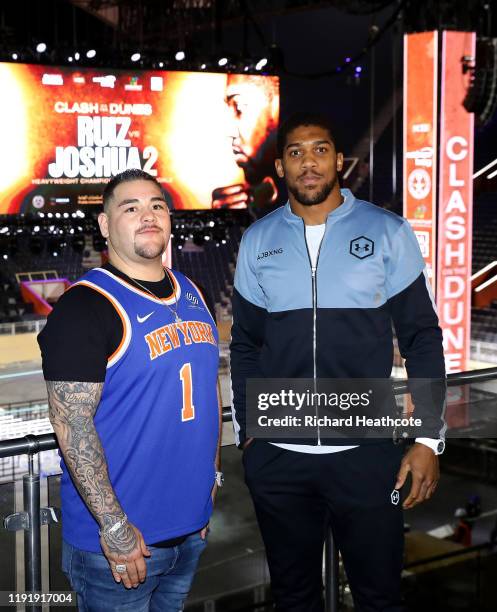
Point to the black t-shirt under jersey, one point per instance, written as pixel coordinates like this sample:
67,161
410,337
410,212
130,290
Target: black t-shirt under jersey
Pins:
84,330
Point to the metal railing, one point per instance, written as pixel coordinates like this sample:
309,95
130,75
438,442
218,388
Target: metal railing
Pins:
22,327
34,516
483,351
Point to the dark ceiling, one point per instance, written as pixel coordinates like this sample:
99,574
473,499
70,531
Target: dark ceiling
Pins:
203,26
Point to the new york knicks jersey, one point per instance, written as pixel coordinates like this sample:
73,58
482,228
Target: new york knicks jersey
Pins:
158,417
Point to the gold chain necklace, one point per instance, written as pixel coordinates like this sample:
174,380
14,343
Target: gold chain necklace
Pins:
174,310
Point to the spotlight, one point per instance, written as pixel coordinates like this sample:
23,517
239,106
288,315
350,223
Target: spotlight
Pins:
41,47
180,56
14,56
261,63
358,69
135,57
223,61
91,53
203,66
69,59
161,64
76,56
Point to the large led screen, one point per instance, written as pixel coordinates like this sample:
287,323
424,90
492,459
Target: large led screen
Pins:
208,138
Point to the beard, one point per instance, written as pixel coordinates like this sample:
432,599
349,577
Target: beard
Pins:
312,199
150,251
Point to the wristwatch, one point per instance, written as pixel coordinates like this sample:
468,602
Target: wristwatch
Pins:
219,479
437,445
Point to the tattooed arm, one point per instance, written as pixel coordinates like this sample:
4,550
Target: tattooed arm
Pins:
72,406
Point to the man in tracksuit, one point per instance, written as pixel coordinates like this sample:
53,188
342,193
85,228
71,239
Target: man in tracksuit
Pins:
318,283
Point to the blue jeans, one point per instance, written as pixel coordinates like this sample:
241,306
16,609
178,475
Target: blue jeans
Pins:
170,574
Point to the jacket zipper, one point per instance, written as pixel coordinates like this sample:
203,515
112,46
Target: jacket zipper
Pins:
314,315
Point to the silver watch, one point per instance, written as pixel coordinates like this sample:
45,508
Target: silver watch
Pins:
436,445
219,479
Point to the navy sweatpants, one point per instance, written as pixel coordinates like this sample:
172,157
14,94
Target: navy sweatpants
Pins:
297,495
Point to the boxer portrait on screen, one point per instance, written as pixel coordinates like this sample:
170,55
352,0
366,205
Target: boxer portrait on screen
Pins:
252,104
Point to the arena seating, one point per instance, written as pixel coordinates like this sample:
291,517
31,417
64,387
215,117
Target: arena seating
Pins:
484,320
205,245
484,231
204,248
484,323
212,266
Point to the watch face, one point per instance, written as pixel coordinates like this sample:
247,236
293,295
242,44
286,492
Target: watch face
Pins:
441,447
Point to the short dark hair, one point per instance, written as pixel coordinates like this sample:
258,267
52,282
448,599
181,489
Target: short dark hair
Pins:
133,174
299,119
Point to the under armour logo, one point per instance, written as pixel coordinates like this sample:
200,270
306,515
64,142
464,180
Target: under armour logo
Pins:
395,497
361,247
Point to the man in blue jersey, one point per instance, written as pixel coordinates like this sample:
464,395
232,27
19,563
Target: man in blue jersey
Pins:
130,356
318,284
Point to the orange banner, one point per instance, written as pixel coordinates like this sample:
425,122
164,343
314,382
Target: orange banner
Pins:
455,209
420,140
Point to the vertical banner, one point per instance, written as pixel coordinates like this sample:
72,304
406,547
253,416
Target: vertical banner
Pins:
420,140
455,207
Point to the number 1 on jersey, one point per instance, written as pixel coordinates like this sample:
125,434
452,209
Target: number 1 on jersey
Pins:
188,410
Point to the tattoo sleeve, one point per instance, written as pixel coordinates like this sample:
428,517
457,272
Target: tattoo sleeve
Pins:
72,406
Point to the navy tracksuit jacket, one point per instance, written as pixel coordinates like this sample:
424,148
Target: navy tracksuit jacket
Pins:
335,322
